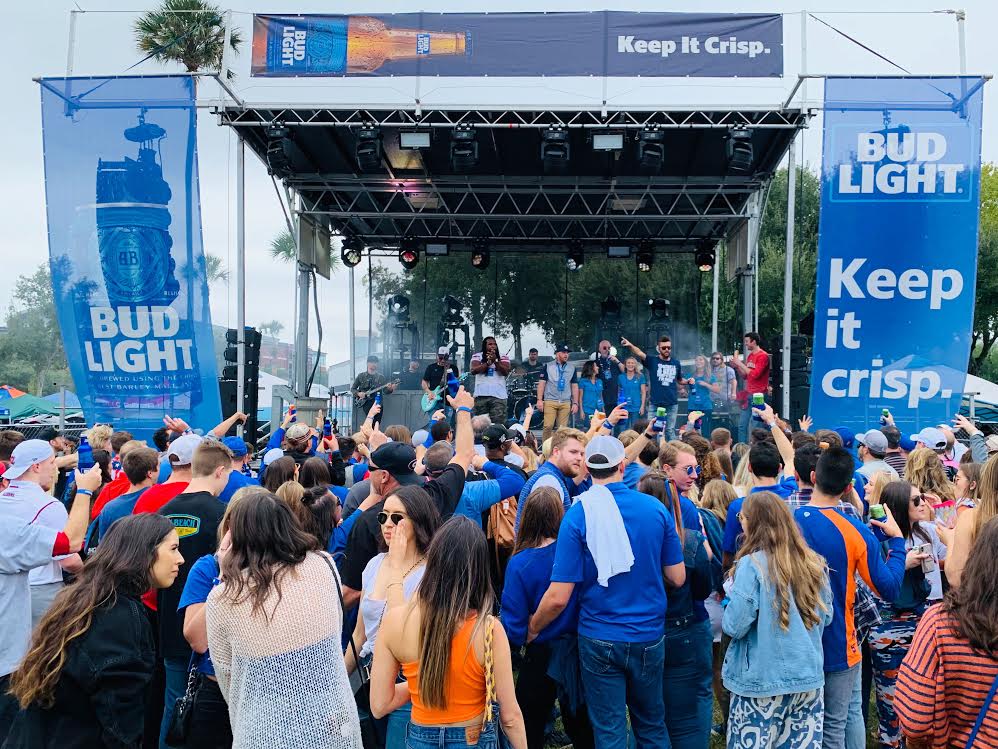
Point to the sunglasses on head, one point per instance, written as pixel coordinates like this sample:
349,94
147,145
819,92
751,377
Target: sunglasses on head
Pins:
396,517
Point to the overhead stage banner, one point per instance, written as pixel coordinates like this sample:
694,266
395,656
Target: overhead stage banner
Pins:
597,43
128,270
897,250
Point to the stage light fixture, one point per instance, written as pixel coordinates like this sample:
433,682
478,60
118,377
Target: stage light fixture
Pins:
659,308
608,141
413,140
480,255
618,249
351,252
555,150
278,162
398,307
610,307
463,149
409,253
576,256
739,150
453,312
651,150
645,257
440,249
705,256
368,148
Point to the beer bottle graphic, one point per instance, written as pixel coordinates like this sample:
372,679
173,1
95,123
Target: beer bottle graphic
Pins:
337,45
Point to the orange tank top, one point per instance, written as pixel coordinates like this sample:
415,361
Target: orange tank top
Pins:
464,685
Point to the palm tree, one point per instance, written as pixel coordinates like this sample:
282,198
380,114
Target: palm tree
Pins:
191,32
214,270
284,249
272,328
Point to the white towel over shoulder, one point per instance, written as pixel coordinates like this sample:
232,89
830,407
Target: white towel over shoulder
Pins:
606,536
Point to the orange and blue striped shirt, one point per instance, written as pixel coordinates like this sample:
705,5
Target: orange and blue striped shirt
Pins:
849,547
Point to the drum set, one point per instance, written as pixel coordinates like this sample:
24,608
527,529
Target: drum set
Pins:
522,392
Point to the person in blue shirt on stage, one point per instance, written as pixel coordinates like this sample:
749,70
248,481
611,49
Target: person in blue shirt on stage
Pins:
141,466
665,380
701,392
528,575
619,548
632,383
590,393
237,479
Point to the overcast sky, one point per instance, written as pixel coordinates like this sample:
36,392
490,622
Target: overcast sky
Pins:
35,41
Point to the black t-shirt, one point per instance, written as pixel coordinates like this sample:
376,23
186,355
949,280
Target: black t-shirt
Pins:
409,380
362,545
196,517
434,374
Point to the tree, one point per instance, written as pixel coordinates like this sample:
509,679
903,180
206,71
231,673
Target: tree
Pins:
272,328
31,351
215,270
985,332
190,32
283,248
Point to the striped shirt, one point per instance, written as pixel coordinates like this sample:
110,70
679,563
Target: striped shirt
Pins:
942,684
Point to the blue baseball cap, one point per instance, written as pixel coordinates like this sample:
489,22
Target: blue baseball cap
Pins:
847,435
907,444
236,445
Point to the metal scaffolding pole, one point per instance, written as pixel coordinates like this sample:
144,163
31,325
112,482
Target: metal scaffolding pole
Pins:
713,305
240,279
788,276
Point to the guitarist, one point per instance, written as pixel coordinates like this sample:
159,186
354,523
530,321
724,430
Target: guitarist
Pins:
436,375
367,381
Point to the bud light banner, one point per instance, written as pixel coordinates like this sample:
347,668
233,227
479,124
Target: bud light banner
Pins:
597,43
128,271
897,250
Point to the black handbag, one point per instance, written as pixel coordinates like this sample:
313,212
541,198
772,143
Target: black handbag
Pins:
180,719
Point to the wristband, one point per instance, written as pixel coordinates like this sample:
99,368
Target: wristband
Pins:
465,409
608,425
85,492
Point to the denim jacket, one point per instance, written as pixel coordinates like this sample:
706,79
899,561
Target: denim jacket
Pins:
764,660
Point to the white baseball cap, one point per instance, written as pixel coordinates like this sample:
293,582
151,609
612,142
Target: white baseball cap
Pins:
181,450
931,437
610,449
27,454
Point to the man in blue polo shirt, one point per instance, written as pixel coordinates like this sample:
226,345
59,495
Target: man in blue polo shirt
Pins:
616,545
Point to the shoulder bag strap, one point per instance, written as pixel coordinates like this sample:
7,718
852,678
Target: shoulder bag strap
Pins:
343,608
983,714
490,676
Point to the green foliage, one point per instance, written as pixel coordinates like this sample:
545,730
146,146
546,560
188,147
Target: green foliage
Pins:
982,361
32,357
215,269
190,32
284,249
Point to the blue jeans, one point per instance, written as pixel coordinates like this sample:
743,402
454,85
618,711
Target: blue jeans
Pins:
839,689
439,737
176,684
855,725
744,425
619,675
687,683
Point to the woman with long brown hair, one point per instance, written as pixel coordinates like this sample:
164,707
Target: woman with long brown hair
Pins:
83,681
945,680
274,629
780,601
925,471
440,640
527,578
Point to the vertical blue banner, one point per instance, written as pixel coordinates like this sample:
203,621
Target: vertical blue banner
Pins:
897,250
128,270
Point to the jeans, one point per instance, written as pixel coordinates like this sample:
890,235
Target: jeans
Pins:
535,694
176,684
688,676
440,737
839,689
744,425
670,419
855,726
616,675
556,415
209,728
494,407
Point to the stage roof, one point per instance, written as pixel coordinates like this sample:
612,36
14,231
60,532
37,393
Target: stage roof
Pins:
508,197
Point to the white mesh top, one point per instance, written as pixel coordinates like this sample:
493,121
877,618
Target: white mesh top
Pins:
283,674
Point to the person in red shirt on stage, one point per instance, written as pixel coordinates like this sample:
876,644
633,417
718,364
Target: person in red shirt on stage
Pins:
755,371
181,455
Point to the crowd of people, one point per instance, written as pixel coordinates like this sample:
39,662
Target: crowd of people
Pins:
475,584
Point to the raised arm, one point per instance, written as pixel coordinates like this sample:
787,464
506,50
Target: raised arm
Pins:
634,349
779,436
464,435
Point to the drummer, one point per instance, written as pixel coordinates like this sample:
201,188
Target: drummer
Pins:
490,368
608,367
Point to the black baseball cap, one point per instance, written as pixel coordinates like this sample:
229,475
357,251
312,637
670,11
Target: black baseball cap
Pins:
48,434
563,349
372,359
399,459
495,435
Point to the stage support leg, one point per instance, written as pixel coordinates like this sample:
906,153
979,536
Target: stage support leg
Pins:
241,279
788,276
301,334
713,305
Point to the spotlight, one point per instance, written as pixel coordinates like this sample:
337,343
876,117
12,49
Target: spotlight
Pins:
351,252
463,149
739,150
651,150
398,306
645,257
480,254
555,150
278,161
705,257
453,311
659,308
368,149
610,307
576,257
409,253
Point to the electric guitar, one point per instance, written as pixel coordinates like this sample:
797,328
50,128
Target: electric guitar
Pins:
434,399
362,399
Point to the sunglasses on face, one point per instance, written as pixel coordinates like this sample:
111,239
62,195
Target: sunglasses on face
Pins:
916,501
692,470
396,517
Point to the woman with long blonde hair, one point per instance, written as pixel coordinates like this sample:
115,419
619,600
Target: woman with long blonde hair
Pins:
875,487
743,479
970,522
925,471
780,601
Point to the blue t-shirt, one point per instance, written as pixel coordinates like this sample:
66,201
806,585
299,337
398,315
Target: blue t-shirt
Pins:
200,581
527,577
632,389
632,606
633,473
236,482
733,527
699,398
663,376
592,395
116,509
